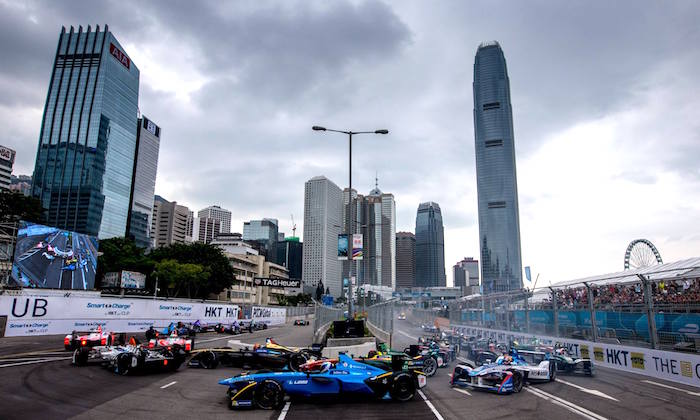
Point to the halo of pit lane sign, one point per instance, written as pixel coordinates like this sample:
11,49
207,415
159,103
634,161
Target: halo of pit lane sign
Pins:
674,366
284,283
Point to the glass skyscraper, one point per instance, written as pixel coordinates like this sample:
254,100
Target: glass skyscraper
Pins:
144,183
499,226
85,160
430,246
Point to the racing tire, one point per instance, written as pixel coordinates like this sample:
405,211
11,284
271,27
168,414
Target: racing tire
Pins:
208,360
403,388
80,357
268,395
296,360
126,363
430,366
517,381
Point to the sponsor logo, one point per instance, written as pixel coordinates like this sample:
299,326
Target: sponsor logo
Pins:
299,382
7,154
598,352
686,369
290,283
120,56
638,360
340,372
91,305
175,308
584,352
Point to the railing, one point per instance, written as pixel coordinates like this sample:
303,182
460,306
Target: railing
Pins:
325,315
380,320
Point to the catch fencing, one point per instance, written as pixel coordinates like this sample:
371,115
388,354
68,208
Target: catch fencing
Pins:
380,320
325,315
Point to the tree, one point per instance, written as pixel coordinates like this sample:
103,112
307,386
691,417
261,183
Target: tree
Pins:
319,290
179,277
15,207
123,254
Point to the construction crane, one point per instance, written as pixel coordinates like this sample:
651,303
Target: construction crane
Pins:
294,227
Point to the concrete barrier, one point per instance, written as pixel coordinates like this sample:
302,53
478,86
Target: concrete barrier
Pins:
354,347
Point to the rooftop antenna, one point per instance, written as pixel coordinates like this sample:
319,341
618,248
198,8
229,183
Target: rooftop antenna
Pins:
376,179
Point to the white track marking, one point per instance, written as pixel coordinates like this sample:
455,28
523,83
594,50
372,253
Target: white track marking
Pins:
589,391
696,394
463,391
283,414
565,404
407,335
430,405
167,385
55,359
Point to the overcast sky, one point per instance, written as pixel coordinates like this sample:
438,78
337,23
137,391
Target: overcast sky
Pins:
605,108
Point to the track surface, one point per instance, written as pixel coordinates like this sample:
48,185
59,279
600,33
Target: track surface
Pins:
37,381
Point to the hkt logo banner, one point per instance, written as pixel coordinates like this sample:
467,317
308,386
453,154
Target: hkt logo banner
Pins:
119,55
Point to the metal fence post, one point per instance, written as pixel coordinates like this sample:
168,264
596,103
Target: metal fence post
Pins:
527,313
507,312
651,319
483,311
555,312
594,324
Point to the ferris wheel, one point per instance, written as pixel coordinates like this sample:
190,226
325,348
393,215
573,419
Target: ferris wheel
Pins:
641,253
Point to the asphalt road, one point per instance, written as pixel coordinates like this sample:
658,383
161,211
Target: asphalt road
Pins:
43,384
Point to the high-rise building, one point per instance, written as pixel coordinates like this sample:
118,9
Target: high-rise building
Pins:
21,184
405,260
7,160
290,254
322,225
264,234
87,141
466,276
430,246
497,187
216,212
169,224
203,229
378,216
233,243
144,185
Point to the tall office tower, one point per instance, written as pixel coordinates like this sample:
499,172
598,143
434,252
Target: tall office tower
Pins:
322,225
405,260
203,229
263,233
87,141
144,185
7,160
430,246
216,212
497,187
379,231
466,276
290,254
169,225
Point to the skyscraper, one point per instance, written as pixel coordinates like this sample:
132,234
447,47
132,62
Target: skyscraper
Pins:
499,225
290,254
7,160
85,160
169,224
379,231
322,225
264,234
216,212
405,260
144,183
466,276
430,246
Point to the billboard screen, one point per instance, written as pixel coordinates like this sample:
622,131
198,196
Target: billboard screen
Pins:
48,257
342,246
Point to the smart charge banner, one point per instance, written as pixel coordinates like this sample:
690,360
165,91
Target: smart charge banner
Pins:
669,365
32,313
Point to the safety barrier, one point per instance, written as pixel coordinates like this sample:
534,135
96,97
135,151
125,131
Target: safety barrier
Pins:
324,317
380,320
673,366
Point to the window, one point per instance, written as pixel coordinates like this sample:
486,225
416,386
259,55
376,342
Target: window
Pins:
497,204
494,143
491,105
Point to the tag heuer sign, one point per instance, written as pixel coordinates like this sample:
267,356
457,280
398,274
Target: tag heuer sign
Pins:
285,283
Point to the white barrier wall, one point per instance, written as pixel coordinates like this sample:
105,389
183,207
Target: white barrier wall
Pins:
669,365
269,316
49,312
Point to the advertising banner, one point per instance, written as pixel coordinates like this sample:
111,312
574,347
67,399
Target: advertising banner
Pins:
42,314
668,365
280,283
133,280
50,258
269,316
357,246
342,246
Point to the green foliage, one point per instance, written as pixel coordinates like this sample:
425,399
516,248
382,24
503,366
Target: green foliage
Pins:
299,299
15,207
178,277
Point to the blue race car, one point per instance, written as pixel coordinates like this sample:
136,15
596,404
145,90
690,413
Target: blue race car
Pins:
328,377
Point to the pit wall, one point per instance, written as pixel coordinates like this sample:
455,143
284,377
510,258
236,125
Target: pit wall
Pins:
672,366
30,312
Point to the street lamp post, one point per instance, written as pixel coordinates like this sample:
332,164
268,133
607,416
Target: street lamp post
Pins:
351,221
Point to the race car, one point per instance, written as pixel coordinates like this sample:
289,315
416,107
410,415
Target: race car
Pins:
402,316
498,378
92,338
301,322
269,356
234,328
186,343
342,377
430,328
566,364
130,359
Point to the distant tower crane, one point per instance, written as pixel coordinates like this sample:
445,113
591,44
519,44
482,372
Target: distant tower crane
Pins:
294,227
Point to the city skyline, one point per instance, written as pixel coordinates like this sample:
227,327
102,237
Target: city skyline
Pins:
580,100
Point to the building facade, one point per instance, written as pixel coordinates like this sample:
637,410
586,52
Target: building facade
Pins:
430,246
144,183
264,233
203,229
7,160
466,276
216,212
233,243
322,225
87,141
21,184
378,214
169,223
290,254
497,187
243,290
405,260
